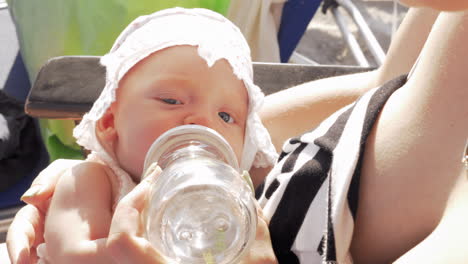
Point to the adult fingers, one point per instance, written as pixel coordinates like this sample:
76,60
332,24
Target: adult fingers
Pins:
126,218
125,243
261,250
44,184
124,249
24,234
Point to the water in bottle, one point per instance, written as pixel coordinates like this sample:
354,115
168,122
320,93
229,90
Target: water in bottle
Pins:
201,209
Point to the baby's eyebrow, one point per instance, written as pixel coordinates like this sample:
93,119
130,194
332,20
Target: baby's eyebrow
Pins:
173,82
173,77
182,81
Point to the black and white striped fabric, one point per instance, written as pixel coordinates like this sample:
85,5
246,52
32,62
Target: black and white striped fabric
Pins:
311,195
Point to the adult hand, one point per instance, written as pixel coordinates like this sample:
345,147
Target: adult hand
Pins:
27,229
261,251
126,243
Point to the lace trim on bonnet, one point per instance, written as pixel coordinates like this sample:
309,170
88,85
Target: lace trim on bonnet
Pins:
216,38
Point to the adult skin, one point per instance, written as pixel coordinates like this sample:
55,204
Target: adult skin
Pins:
442,5
410,193
293,111
412,174
126,245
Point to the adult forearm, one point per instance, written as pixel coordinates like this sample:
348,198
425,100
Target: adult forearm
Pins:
406,44
412,157
294,111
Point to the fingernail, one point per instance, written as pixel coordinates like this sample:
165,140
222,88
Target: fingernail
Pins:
150,170
41,251
152,173
246,176
31,192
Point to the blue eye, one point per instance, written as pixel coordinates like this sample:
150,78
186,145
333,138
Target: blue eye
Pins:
226,117
171,101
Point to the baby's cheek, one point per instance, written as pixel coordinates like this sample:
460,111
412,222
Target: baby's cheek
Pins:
140,154
134,158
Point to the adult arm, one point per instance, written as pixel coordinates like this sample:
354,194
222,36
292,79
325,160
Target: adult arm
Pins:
79,216
447,243
412,157
293,111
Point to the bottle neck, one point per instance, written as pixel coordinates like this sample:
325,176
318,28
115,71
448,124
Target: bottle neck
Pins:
190,150
190,141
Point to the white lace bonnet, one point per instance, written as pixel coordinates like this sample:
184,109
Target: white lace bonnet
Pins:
216,38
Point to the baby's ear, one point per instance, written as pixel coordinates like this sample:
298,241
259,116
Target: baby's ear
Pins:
105,129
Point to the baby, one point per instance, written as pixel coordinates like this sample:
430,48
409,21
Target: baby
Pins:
170,68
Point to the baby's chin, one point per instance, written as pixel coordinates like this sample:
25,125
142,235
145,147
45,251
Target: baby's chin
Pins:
136,177
134,170
135,173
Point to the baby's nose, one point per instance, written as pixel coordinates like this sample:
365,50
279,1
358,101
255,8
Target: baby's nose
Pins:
198,118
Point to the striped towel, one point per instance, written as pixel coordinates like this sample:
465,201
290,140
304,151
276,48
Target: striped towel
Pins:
311,195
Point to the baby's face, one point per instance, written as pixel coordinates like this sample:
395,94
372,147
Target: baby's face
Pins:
174,87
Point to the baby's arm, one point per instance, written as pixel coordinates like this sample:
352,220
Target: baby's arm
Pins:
79,216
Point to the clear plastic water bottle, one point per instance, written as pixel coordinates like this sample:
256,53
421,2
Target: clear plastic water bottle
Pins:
201,209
